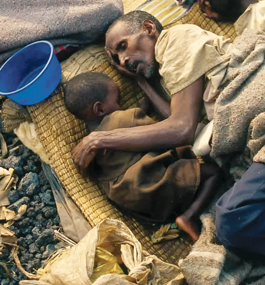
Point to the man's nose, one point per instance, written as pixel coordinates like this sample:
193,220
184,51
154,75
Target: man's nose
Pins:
124,60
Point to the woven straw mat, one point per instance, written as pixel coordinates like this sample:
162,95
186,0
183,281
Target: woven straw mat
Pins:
130,5
59,131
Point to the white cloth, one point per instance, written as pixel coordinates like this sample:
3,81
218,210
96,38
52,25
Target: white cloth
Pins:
252,18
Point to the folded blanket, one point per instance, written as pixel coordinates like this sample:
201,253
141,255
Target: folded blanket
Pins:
59,21
242,97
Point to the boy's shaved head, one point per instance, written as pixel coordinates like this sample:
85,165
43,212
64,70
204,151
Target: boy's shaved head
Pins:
84,90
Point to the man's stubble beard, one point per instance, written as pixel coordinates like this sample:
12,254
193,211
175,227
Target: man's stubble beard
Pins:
152,69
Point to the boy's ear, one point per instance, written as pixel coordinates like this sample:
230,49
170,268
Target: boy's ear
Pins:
149,26
206,8
98,109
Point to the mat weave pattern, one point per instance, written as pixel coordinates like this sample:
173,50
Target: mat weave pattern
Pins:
59,131
130,5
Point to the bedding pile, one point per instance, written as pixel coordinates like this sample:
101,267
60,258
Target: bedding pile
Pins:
242,97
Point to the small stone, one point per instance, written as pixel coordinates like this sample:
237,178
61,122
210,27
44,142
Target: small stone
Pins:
48,251
25,230
49,224
36,263
13,162
56,220
30,212
15,206
46,197
26,153
29,184
38,256
33,248
49,212
31,190
37,198
44,188
42,178
26,257
13,196
38,207
45,237
25,222
29,238
36,231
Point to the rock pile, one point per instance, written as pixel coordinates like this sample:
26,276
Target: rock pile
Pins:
34,229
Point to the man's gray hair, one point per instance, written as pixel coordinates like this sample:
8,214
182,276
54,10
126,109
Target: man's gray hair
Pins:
133,21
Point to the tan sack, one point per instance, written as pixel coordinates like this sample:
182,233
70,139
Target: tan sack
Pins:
76,265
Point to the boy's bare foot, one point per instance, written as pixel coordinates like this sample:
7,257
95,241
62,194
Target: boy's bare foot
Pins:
189,226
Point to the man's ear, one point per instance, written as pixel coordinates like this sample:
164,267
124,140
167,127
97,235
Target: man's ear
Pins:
150,27
98,109
206,8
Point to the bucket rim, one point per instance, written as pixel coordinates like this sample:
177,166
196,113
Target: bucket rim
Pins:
32,81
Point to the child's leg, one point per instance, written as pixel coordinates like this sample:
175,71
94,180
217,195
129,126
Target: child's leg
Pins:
189,221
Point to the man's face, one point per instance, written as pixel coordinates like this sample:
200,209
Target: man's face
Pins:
133,52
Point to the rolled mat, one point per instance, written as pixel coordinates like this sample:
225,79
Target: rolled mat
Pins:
59,132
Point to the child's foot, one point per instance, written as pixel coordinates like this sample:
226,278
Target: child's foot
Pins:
189,226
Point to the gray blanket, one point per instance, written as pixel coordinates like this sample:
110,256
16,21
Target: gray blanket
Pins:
239,118
242,98
59,21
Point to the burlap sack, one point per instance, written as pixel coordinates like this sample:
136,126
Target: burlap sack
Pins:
76,264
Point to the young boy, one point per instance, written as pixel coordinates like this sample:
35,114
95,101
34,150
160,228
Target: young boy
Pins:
154,185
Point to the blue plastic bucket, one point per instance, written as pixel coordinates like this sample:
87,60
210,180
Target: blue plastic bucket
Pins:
31,75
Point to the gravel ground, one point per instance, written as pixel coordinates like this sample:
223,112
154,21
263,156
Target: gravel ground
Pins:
35,230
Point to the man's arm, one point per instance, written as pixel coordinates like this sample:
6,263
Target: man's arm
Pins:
177,130
159,103
145,105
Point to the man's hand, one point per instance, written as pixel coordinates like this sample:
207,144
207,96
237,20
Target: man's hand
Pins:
84,153
117,66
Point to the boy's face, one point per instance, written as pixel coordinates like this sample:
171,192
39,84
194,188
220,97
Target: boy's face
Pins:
111,102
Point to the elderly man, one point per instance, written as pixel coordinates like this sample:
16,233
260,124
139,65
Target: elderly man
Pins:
186,56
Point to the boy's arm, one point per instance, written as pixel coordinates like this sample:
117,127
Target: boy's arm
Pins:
159,103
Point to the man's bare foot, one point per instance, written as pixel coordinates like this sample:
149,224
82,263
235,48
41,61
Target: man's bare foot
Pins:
190,227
